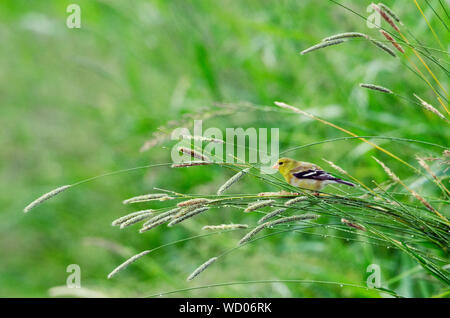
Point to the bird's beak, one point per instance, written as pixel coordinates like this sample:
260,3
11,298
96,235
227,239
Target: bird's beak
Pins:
275,166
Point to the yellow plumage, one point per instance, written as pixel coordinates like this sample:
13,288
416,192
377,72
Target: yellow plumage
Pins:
305,175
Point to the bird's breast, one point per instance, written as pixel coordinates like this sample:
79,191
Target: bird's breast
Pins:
305,183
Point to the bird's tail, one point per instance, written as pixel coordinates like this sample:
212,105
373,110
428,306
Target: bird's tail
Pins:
344,182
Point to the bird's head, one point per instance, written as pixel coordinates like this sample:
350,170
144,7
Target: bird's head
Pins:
285,165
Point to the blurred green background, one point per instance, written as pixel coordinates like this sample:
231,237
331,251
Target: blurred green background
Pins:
76,103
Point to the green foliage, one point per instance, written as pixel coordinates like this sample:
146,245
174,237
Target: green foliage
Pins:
78,103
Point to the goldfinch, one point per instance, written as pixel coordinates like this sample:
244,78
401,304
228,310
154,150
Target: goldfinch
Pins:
306,175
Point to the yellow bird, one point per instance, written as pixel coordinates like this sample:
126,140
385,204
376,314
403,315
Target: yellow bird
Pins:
306,175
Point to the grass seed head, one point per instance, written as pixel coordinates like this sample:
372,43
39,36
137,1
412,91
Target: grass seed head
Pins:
258,204
161,216
353,225
252,233
336,167
146,197
201,268
383,47
190,164
193,153
127,263
386,17
389,11
287,219
238,176
388,171
345,36
225,227
198,201
271,215
201,138
430,108
293,218
127,217
45,197
295,200
321,45
155,224
376,88
413,193
186,216
392,40
145,215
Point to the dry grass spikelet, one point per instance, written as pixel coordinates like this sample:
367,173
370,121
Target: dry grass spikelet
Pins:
430,108
424,202
127,263
389,11
345,35
413,193
424,165
191,202
376,88
146,198
201,268
252,233
258,204
201,138
282,193
187,209
271,215
321,46
287,219
292,108
225,227
353,225
392,40
388,171
383,47
436,180
161,216
386,17
145,215
155,224
190,164
295,200
238,176
45,197
188,215
293,218
127,217
193,153
336,167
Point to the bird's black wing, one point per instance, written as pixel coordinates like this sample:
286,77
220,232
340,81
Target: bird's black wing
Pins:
320,175
314,174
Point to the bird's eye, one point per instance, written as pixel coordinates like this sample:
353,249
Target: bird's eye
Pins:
280,163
